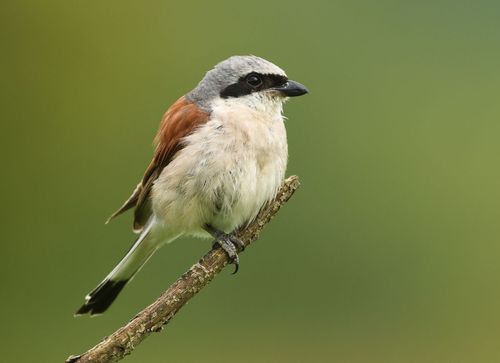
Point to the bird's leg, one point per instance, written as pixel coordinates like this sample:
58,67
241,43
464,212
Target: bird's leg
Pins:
228,243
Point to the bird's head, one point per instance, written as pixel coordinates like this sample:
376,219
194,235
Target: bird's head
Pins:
247,79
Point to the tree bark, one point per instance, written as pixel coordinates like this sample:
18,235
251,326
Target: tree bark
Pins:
153,318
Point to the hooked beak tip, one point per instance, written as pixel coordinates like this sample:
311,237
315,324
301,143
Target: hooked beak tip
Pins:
292,89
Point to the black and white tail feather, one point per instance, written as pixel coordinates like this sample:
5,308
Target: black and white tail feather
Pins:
98,300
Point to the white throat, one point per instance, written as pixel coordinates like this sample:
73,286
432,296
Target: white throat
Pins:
266,104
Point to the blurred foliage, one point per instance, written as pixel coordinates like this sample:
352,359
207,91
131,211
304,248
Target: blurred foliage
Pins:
388,253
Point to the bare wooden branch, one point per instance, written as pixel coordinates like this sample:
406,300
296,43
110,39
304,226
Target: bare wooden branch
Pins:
153,318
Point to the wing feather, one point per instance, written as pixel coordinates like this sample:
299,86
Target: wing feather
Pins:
180,120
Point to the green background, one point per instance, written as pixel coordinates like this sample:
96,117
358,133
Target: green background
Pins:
388,253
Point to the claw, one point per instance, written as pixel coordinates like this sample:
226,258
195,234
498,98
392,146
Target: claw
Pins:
237,242
236,262
229,244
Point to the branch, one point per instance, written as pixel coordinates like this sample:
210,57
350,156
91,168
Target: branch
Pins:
152,319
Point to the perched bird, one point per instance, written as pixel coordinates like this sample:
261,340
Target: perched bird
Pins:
221,154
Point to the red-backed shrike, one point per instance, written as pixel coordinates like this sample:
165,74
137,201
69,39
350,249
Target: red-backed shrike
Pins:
221,155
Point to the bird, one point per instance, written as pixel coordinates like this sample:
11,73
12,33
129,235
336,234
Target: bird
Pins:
221,154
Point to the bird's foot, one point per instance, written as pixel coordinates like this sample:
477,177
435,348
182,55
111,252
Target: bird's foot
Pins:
229,244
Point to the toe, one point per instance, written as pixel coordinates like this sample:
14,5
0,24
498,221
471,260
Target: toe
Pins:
237,243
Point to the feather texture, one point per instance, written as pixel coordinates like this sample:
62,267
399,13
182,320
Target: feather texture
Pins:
180,120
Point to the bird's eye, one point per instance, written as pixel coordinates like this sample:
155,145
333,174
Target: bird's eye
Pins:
254,80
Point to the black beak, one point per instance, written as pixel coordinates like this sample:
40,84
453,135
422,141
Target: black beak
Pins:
292,89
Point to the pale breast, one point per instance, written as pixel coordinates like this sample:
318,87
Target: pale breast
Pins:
228,169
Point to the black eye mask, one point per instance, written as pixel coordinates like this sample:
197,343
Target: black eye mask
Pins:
253,82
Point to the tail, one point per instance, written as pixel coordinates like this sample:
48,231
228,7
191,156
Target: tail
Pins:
98,300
